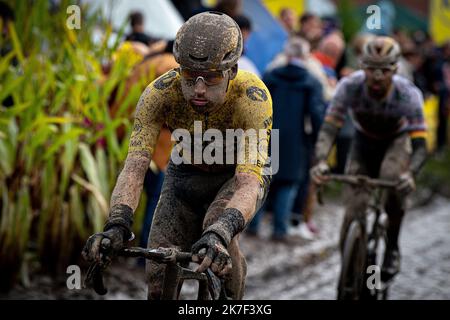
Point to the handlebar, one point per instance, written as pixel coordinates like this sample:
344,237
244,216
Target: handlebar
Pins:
160,255
94,277
361,180
357,180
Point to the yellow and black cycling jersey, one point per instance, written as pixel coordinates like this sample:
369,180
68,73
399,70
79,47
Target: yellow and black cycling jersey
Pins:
248,105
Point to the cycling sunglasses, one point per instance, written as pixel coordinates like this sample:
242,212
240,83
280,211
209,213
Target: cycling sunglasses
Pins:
210,78
382,66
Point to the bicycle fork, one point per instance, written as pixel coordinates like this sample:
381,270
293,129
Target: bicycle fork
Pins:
175,275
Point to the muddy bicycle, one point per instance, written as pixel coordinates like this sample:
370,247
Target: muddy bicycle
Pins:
210,287
365,243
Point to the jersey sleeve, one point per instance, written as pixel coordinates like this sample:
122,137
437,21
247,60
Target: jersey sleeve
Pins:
255,117
338,108
417,127
149,116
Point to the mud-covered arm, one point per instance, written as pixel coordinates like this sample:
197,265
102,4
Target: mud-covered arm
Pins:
240,209
128,188
334,120
417,129
252,176
419,154
325,140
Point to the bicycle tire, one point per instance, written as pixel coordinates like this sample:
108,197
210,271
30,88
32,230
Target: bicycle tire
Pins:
351,279
375,256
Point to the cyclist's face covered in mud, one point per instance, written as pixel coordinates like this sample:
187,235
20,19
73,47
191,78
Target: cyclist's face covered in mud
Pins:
379,79
205,91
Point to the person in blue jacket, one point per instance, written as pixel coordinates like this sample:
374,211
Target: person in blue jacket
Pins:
297,99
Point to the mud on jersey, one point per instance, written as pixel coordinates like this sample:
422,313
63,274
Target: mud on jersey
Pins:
401,111
248,105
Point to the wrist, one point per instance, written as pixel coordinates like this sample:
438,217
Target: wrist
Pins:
230,223
217,236
120,217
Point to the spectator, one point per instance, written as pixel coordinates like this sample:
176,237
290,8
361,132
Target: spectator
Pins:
232,8
329,51
311,29
443,89
314,67
137,29
331,48
295,93
244,62
288,20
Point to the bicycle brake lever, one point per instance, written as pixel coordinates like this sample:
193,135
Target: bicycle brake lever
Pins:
94,279
214,285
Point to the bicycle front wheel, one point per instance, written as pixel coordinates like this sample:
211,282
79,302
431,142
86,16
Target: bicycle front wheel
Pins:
351,279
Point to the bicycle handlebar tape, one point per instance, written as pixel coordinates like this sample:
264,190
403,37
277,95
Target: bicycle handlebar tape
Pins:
325,141
230,223
121,216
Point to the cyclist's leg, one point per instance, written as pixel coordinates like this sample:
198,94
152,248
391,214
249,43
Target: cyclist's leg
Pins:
175,224
395,162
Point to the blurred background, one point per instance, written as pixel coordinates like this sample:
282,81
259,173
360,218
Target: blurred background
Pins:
70,80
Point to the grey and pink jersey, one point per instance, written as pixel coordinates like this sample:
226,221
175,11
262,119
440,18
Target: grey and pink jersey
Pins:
400,111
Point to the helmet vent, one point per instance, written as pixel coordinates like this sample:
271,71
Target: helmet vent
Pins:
203,59
227,55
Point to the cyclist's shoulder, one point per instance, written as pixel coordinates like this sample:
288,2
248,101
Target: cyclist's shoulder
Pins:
348,85
407,91
162,92
356,78
403,84
247,91
166,84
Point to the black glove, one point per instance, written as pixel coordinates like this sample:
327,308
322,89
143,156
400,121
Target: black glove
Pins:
210,251
103,246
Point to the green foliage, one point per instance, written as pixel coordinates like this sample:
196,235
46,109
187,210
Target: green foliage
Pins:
59,151
436,174
350,18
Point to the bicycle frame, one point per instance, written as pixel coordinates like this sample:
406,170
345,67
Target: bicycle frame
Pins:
378,226
370,231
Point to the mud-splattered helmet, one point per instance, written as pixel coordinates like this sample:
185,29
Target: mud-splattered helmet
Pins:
380,52
208,41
